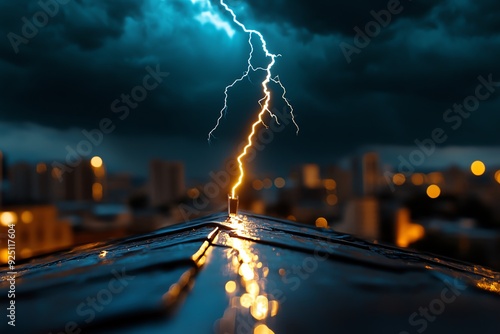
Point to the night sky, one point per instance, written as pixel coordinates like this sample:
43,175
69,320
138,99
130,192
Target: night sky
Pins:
393,88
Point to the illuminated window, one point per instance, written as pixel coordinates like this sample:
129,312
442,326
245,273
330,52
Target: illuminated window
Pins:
477,168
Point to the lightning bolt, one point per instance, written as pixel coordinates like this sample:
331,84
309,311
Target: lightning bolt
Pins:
264,102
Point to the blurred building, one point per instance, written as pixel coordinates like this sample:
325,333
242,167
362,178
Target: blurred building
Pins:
37,230
86,181
43,183
120,187
455,181
361,218
343,183
366,174
166,182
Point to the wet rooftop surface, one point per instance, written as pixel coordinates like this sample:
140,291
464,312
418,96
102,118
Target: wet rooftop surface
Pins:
250,274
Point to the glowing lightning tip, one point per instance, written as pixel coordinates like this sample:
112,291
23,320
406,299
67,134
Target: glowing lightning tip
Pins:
232,205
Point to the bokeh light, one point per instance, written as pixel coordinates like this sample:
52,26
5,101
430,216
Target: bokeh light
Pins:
433,191
321,222
96,162
478,168
398,179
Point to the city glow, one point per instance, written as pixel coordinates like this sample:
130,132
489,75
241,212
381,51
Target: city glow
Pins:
96,162
7,218
478,168
398,179
433,191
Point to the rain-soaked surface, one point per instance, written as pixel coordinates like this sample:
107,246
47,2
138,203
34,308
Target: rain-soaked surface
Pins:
250,274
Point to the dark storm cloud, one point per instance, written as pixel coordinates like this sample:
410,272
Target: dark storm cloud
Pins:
396,89
327,17
91,52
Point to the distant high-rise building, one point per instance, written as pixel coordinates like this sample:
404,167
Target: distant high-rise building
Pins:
86,182
366,174
78,183
166,181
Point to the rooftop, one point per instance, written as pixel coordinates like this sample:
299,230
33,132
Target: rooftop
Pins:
250,274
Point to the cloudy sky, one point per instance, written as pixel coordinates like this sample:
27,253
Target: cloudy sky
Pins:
360,74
